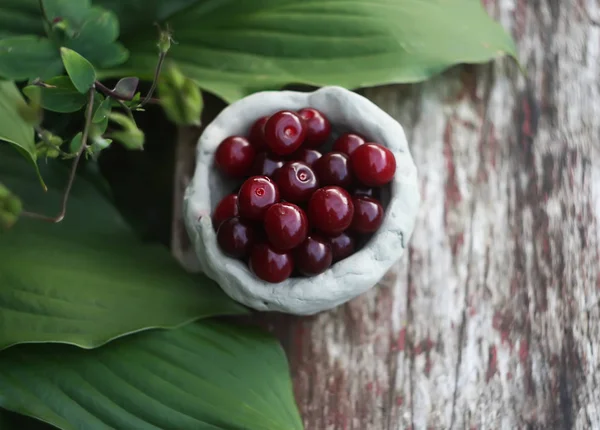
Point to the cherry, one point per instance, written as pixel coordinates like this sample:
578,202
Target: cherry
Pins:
347,143
296,182
342,246
266,164
284,132
330,209
269,264
235,237
256,194
227,208
256,136
374,165
308,156
368,215
318,127
286,226
235,156
313,256
333,168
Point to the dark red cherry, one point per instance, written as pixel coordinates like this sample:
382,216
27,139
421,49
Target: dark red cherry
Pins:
256,136
235,156
330,209
305,155
333,168
342,246
374,165
286,226
227,208
284,132
266,164
269,264
313,256
318,127
368,215
255,196
235,237
347,143
296,182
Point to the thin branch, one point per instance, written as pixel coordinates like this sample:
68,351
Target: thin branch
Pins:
111,93
161,60
84,138
127,110
45,15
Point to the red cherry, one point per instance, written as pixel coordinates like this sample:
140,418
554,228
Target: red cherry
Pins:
284,132
313,256
296,182
266,164
235,238
286,226
307,156
256,136
256,195
330,210
318,127
269,264
227,208
374,165
342,246
347,143
368,215
333,168
235,156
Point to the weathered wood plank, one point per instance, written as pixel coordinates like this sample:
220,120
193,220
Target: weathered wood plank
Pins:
492,319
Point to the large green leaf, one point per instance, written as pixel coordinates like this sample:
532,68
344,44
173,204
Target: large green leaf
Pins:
24,57
60,96
18,17
203,376
234,47
87,279
13,128
79,69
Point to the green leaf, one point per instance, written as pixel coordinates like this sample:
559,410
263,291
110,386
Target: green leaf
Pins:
75,144
207,375
10,208
88,279
101,113
73,11
130,136
63,97
28,57
13,128
19,17
180,97
126,87
233,48
79,69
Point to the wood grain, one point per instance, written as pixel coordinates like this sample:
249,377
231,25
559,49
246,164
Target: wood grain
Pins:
492,319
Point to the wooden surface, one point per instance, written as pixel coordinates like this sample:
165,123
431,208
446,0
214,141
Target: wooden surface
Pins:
491,320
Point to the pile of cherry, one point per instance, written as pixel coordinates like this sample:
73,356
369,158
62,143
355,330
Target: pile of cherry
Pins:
299,210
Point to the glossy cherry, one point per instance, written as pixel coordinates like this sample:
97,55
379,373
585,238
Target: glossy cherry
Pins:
296,182
374,165
286,226
226,208
306,155
256,135
318,127
284,132
330,210
269,264
368,215
235,156
313,256
256,194
347,143
333,168
235,237
342,246
266,164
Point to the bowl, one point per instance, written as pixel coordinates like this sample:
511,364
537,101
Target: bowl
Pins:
344,280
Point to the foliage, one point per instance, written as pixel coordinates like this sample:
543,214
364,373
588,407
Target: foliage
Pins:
81,285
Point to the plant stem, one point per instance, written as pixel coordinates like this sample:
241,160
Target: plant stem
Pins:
110,93
161,59
84,138
45,15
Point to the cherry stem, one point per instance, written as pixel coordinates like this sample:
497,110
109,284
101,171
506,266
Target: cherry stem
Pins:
111,93
84,138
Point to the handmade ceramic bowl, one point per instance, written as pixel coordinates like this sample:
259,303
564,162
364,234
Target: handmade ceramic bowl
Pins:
344,280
